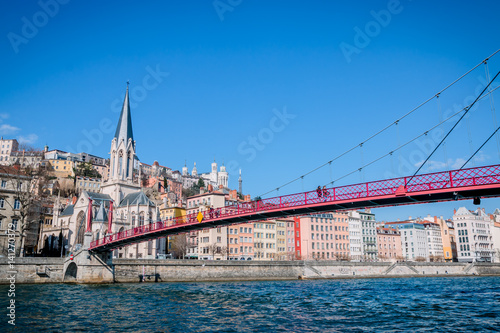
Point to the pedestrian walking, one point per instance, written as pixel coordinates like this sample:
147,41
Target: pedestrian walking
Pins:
326,193
319,192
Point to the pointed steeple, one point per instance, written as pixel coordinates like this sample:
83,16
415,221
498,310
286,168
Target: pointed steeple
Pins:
101,215
124,128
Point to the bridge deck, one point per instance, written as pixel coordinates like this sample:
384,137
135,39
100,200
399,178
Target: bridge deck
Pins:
435,187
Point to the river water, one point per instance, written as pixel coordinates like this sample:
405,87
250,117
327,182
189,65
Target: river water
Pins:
444,304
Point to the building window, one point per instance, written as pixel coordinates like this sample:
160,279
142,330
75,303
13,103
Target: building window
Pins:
17,204
4,184
14,224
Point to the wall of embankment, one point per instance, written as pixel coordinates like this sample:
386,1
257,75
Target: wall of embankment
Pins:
58,270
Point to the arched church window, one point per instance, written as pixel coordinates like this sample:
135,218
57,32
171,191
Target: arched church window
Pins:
141,218
80,225
120,162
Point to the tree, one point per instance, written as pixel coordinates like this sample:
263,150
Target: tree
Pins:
213,249
165,184
290,255
224,251
194,189
179,245
26,186
86,170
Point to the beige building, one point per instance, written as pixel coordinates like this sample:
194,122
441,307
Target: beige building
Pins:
88,184
265,240
281,239
212,242
61,168
7,147
27,158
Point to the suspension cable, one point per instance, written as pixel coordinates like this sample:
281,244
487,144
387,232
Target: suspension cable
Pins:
414,139
498,128
492,105
440,119
449,132
385,128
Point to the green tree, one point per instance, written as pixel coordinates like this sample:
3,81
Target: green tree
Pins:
86,170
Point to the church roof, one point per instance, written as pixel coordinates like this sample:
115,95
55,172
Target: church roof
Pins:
137,198
68,210
98,196
124,128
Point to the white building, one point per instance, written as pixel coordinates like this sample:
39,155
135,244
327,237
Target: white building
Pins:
413,240
496,235
474,235
214,177
369,235
355,236
434,238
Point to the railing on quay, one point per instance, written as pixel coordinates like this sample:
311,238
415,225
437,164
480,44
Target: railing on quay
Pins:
486,175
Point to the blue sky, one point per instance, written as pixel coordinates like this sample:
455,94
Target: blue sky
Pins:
274,88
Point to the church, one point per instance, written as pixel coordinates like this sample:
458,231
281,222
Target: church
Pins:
120,199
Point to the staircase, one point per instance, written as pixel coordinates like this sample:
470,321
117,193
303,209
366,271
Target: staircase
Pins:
44,271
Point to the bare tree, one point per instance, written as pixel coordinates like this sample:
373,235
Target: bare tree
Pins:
180,245
213,249
400,258
26,186
224,251
290,255
26,147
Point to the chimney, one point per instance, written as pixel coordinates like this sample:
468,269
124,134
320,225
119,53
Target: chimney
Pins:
454,211
202,190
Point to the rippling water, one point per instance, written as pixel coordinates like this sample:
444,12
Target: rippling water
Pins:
470,304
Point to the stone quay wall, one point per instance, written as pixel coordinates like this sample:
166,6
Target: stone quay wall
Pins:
31,270
87,268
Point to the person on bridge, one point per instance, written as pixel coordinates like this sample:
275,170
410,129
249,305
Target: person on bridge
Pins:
319,191
326,193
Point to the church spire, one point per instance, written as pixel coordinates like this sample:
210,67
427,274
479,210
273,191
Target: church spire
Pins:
124,128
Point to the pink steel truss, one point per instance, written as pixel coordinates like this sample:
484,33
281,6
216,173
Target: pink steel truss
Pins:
433,187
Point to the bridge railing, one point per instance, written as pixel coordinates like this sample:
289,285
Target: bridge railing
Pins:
433,181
